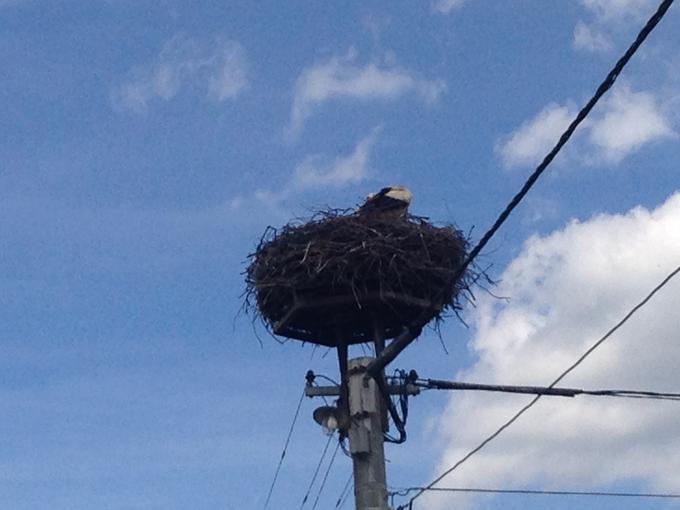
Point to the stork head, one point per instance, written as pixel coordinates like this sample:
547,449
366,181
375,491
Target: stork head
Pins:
401,193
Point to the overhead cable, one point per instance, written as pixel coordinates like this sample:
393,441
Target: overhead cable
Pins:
410,333
406,491
325,476
345,491
537,397
316,472
399,421
438,384
285,448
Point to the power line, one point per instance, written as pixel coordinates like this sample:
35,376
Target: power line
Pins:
332,381
411,332
345,497
283,453
325,476
642,395
399,421
316,472
407,336
345,492
406,491
438,384
601,90
537,397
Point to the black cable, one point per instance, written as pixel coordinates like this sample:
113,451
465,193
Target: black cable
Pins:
438,384
641,395
406,491
411,332
345,491
285,447
398,423
327,379
403,395
344,449
325,476
554,383
316,472
601,90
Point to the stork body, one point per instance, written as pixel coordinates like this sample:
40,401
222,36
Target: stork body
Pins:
390,203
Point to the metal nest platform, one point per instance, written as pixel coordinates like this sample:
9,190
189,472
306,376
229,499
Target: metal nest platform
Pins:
350,319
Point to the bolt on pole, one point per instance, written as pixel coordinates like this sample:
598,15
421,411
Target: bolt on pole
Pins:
366,441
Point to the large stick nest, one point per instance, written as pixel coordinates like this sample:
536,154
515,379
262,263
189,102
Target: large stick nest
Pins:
342,273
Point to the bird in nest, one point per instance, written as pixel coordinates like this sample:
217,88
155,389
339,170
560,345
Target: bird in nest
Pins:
390,203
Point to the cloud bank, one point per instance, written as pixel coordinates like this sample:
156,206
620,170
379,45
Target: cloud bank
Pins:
567,289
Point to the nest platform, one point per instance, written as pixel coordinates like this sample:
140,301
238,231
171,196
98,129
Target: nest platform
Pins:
341,276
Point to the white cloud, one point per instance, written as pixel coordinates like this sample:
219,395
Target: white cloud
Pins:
227,76
617,10
607,18
342,77
533,139
624,122
630,120
216,67
566,290
446,6
590,39
316,171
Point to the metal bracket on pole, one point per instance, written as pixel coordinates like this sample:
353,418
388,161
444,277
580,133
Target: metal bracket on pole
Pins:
334,391
394,349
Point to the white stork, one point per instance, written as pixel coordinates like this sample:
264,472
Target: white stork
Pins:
389,203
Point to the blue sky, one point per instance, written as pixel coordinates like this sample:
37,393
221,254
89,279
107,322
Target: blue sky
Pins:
147,145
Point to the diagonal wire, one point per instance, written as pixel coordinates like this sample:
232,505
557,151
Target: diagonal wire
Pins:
404,339
285,448
438,384
316,472
537,397
325,476
345,498
405,491
601,90
345,492
410,333
641,394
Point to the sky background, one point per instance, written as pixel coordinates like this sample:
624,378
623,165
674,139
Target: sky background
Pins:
145,148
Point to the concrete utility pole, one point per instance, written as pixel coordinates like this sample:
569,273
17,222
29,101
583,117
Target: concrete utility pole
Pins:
366,442
364,428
